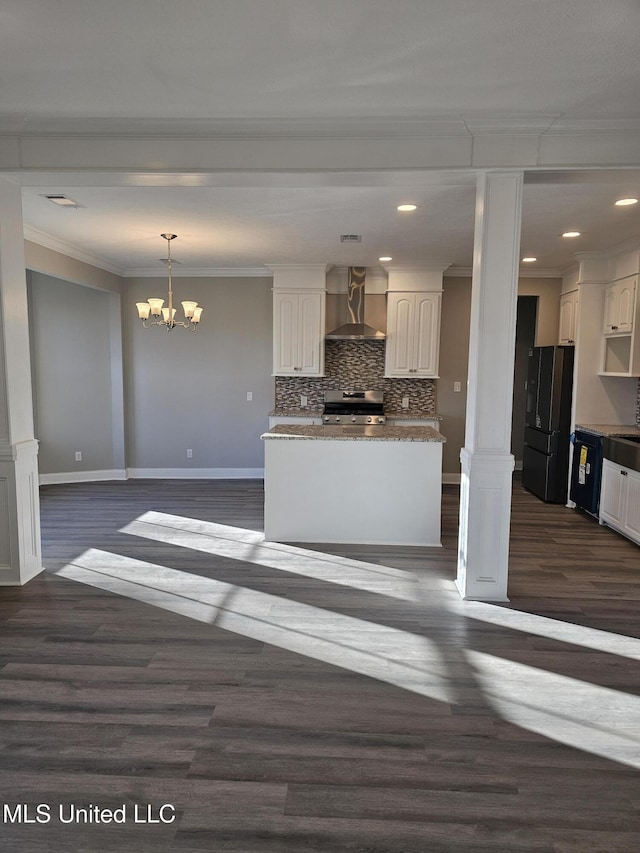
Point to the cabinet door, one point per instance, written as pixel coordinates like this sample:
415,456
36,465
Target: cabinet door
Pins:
568,312
310,333
626,293
610,319
427,334
619,306
285,338
399,350
632,515
413,334
298,333
613,494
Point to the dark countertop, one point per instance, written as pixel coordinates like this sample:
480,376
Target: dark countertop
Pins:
610,429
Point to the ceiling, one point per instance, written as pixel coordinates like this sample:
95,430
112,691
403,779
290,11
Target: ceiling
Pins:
234,68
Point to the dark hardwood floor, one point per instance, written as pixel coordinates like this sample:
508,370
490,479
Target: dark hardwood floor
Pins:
316,698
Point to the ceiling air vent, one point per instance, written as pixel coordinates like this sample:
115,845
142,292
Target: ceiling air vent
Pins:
62,200
351,238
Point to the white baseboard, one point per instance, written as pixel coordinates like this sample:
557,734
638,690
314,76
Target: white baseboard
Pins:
451,479
195,473
82,476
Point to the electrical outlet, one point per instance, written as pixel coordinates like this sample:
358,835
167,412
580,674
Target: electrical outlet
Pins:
189,453
78,456
249,396
405,402
303,401
457,386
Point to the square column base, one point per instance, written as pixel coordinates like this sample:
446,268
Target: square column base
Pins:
485,517
20,554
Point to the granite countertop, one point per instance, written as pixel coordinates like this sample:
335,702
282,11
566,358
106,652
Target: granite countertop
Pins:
317,413
404,415
295,413
355,433
610,429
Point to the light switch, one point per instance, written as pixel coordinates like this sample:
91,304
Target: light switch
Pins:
457,386
249,396
303,401
405,402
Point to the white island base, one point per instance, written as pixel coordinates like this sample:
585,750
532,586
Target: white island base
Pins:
352,491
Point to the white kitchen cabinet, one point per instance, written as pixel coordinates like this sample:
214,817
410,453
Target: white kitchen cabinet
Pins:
620,499
568,318
413,334
621,341
619,306
298,332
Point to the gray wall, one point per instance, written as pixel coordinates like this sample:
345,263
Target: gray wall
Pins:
189,389
49,262
71,369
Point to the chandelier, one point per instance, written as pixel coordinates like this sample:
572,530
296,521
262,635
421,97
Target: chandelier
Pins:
153,307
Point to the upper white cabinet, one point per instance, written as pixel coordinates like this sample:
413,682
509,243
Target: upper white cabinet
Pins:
621,345
299,299
413,334
414,301
568,318
298,333
619,306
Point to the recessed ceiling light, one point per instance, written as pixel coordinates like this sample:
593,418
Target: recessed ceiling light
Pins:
61,200
385,258
528,260
406,207
623,202
571,234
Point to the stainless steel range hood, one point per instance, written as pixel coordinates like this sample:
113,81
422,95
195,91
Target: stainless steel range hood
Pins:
357,329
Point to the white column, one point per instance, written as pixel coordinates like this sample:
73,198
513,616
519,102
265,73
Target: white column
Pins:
487,462
20,557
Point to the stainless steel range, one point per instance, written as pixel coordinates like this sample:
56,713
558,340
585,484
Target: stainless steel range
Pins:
353,407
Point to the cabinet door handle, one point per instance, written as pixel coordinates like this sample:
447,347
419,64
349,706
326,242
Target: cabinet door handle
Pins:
614,328
624,473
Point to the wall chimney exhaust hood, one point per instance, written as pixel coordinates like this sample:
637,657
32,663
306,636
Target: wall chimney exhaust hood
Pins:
357,329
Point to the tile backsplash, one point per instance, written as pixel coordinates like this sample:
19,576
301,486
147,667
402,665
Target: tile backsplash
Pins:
356,364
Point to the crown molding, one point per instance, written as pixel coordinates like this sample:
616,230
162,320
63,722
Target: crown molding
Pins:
205,272
24,127
48,242
543,272
16,127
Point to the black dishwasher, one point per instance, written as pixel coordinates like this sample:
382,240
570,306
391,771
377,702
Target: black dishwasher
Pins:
586,471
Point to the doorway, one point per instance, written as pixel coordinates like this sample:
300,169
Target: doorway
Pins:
526,317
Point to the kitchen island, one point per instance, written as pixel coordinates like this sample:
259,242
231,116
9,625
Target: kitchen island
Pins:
353,484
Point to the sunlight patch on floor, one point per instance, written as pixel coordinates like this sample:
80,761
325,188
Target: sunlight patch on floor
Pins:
586,716
595,719
249,546
552,629
387,654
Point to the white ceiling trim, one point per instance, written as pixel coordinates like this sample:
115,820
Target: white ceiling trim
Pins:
49,242
543,272
206,272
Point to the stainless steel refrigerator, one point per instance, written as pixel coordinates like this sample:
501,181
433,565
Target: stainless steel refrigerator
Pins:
545,460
